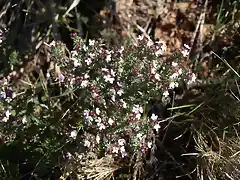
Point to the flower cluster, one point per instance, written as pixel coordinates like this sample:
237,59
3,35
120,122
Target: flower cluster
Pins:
2,35
118,82
111,87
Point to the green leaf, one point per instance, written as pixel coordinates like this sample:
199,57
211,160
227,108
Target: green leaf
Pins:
84,19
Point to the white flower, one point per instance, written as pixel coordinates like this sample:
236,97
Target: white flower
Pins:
92,55
72,81
108,58
84,83
150,43
120,92
172,85
121,49
176,84
110,121
136,109
85,48
101,126
109,52
104,69
115,150
86,112
193,79
73,134
112,91
86,115
48,75
121,142
109,79
139,136
157,76
14,95
69,155
3,95
95,95
138,116
74,53
7,113
98,120
157,127
87,143
153,70
154,117
165,93
8,100
79,156
123,151
88,61
150,144
113,98
186,46
86,76
98,111
24,120
112,73
120,84
174,76
124,103
180,71
185,53
98,139
140,37
91,42
5,119
174,64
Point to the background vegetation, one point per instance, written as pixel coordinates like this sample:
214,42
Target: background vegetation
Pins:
138,90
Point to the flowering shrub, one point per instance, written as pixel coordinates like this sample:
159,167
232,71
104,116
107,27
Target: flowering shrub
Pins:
101,94
117,84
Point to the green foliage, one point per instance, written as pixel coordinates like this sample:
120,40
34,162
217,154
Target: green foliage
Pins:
98,101
99,106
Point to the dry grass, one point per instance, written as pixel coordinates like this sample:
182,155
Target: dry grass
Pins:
100,169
